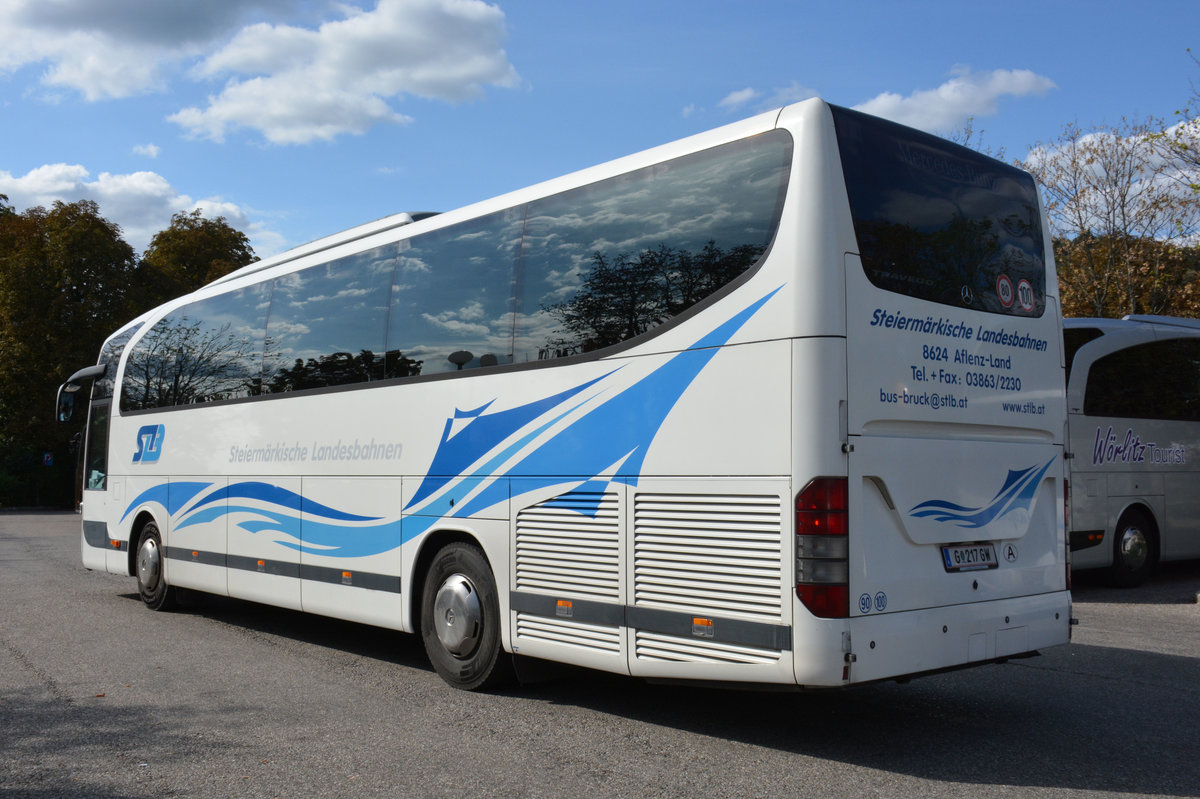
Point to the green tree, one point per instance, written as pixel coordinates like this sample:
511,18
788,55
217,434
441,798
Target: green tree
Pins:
190,253
65,276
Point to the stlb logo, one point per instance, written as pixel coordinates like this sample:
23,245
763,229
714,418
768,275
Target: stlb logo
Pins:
149,443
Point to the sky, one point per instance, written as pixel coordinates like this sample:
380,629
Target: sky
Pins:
295,119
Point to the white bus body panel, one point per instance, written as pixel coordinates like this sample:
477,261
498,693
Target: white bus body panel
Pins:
636,524
1121,464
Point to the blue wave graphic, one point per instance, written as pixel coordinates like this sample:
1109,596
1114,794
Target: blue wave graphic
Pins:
272,494
612,437
171,496
618,432
457,451
1016,494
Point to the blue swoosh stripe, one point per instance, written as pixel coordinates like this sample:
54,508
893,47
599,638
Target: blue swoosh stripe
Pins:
1016,493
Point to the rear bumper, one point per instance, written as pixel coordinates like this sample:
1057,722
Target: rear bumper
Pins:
889,645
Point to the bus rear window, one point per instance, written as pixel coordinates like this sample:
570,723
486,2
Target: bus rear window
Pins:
940,222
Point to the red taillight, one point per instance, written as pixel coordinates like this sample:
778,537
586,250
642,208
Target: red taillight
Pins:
821,507
825,601
823,548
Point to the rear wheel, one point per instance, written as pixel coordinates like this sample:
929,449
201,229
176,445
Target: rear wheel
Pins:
152,582
460,619
1135,550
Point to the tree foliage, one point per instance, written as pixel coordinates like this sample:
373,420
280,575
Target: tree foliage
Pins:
67,281
623,296
1124,229
190,253
64,287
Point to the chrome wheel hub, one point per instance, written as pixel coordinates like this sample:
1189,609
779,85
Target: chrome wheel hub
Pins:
1134,547
457,615
149,564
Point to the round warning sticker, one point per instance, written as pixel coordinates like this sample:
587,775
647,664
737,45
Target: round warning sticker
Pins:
1025,295
1004,290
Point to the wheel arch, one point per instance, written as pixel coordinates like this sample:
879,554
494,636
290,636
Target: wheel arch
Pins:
140,518
430,545
1146,509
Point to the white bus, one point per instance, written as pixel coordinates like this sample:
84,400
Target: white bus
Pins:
779,403
1133,401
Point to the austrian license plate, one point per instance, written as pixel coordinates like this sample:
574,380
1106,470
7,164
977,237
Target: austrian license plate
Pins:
969,557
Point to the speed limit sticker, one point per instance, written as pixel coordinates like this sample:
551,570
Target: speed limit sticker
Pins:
1004,290
1025,295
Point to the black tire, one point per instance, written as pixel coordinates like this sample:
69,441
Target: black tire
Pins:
460,620
1135,550
151,576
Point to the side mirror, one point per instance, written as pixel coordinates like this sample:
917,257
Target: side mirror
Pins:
65,407
66,402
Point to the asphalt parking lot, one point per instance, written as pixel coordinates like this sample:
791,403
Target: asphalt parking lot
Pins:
100,697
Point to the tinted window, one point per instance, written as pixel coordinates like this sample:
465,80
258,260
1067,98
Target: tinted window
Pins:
208,350
610,261
586,269
327,323
940,222
110,356
1076,337
452,297
1158,380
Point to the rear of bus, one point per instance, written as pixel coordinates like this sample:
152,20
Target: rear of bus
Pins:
942,544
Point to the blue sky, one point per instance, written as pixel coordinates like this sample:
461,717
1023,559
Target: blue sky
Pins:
294,119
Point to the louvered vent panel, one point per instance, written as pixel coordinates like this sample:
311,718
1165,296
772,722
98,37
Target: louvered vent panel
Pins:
569,546
712,554
570,633
669,649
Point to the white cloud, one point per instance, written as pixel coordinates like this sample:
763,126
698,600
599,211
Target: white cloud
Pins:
148,150
758,100
950,105
292,83
297,85
735,100
141,203
788,95
116,48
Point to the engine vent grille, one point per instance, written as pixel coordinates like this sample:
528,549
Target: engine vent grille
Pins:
595,637
709,554
669,649
570,546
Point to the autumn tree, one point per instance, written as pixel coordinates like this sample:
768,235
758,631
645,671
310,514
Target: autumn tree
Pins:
1120,221
191,252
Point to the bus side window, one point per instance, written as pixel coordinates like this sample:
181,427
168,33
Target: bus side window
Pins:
1076,337
1156,380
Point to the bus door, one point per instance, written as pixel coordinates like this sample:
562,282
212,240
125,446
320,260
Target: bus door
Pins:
101,549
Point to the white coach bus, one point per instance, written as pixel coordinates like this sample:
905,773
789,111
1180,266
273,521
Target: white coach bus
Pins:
1133,397
778,403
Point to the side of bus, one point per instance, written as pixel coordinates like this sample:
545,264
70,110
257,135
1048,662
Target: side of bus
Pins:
1133,397
666,417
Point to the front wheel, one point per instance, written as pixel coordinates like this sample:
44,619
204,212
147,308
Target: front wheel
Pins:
1135,550
152,582
460,619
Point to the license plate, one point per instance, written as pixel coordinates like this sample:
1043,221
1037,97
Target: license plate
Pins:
969,557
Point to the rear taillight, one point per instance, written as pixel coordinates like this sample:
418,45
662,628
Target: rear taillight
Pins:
823,548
